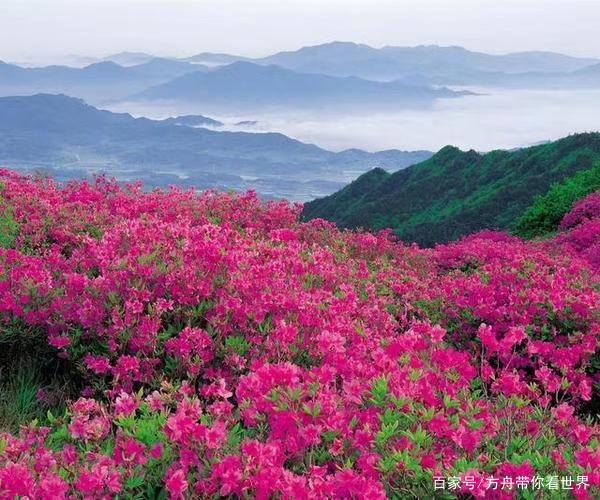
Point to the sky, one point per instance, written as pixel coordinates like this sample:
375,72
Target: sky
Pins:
44,30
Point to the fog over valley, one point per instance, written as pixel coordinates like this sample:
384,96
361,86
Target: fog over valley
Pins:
495,118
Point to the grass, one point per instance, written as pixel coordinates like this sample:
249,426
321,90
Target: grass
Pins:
29,368
19,402
27,393
9,228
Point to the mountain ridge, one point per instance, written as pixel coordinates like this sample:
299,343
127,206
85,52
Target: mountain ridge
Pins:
456,192
396,62
248,84
97,81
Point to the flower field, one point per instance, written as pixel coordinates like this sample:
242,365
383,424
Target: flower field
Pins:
216,346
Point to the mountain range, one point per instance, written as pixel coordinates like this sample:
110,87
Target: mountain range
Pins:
243,85
429,65
423,62
96,82
335,75
129,58
456,192
68,138
389,62
435,65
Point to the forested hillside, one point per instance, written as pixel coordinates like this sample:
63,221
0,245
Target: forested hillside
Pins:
543,217
456,192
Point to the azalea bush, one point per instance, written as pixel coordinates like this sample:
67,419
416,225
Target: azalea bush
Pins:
219,347
544,216
580,230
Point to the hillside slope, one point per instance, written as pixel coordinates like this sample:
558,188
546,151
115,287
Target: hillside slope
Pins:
457,192
543,217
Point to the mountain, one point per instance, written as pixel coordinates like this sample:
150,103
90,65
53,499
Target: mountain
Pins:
244,85
456,192
427,61
193,121
423,64
592,70
68,138
329,76
164,69
129,58
212,59
588,75
95,82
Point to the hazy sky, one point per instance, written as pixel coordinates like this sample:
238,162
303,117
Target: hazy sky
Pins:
38,29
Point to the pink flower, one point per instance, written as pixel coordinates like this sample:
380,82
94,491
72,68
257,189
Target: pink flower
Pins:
563,413
157,451
510,384
127,367
97,364
130,452
428,461
176,483
16,481
90,483
53,487
216,435
60,342
125,405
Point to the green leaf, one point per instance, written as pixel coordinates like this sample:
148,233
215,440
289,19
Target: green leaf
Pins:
134,482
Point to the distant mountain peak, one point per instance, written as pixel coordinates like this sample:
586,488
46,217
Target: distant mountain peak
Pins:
104,65
49,98
129,54
129,58
340,43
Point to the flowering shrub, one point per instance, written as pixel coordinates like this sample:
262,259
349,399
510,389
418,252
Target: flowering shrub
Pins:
581,230
226,349
586,209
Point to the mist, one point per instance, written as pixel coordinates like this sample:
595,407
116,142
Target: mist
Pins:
493,119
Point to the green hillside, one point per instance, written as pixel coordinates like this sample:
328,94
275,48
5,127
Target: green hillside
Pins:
456,192
543,217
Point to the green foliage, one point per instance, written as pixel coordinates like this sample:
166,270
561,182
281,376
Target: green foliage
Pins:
380,392
456,193
20,403
18,399
543,217
146,428
237,344
9,228
29,368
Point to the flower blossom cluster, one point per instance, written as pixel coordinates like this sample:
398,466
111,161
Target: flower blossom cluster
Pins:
225,348
581,230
